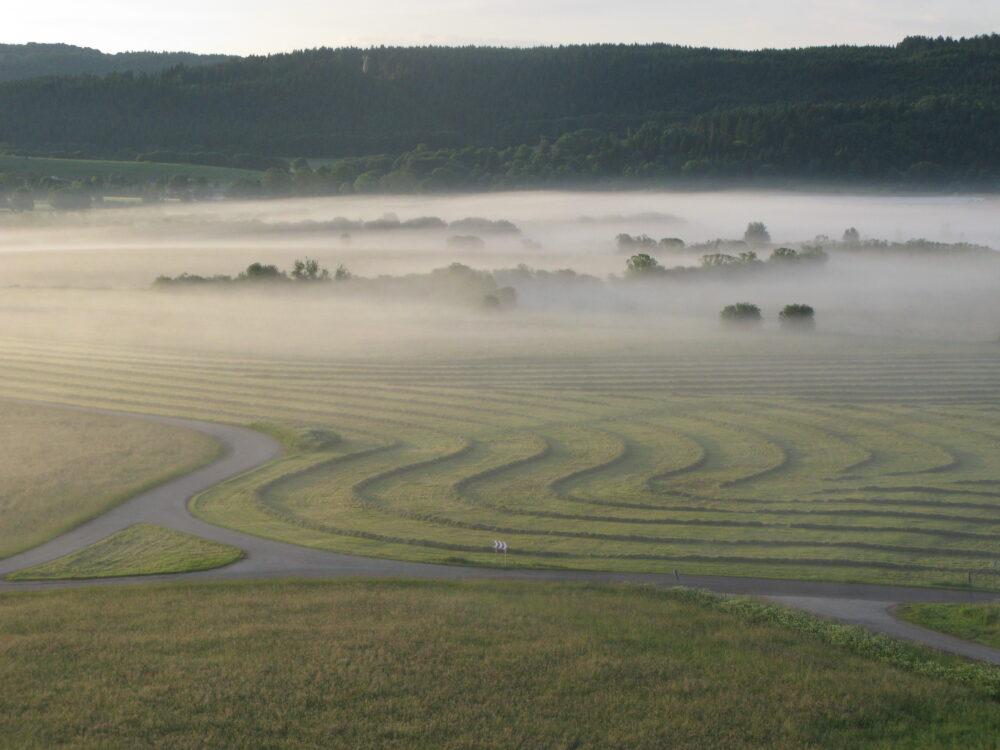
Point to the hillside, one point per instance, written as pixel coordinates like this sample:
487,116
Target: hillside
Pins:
924,107
34,60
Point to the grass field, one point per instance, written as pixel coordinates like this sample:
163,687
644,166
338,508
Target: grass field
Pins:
448,665
58,468
143,549
846,459
973,622
75,169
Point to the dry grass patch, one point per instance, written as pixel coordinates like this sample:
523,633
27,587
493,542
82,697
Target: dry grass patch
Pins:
59,467
447,665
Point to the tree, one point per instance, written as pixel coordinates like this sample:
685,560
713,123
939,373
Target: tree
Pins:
367,182
642,265
757,233
275,181
309,270
742,313
813,254
627,242
784,255
261,272
852,237
797,316
717,260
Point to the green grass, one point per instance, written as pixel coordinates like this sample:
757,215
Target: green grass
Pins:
140,550
75,169
973,622
828,459
59,468
459,665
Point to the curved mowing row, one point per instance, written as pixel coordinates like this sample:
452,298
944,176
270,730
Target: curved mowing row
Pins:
593,463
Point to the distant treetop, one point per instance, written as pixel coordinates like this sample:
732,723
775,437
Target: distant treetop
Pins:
32,60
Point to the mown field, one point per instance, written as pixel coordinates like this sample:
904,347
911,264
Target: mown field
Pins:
834,458
58,468
76,169
447,665
139,550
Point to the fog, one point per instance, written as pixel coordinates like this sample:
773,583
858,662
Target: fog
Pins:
88,276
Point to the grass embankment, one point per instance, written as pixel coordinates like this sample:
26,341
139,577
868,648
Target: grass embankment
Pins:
449,665
140,550
823,459
972,622
76,169
59,468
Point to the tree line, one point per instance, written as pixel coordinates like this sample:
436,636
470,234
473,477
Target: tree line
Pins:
35,59
936,141
924,110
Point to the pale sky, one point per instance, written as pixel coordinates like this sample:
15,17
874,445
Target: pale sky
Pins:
263,26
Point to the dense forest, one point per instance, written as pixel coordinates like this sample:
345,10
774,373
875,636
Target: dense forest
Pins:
937,141
926,111
34,60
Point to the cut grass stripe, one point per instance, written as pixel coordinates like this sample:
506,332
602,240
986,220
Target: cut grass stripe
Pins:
140,550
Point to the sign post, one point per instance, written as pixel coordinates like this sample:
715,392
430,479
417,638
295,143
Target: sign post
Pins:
499,546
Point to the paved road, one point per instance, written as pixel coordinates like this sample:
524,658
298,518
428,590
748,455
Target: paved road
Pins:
877,616
166,505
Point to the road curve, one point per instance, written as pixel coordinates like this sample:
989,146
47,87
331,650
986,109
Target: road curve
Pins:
867,605
165,504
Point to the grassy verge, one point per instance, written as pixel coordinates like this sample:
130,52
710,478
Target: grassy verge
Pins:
983,677
973,622
450,665
143,549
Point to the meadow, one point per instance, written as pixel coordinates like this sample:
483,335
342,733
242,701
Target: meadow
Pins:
826,457
450,665
59,468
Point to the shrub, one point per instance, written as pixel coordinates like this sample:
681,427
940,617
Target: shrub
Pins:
784,255
742,313
797,316
261,272
756,233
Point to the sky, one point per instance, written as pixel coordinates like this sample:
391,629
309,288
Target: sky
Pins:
266,26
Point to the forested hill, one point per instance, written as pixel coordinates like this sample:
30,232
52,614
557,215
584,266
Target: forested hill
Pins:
34,60
926,103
